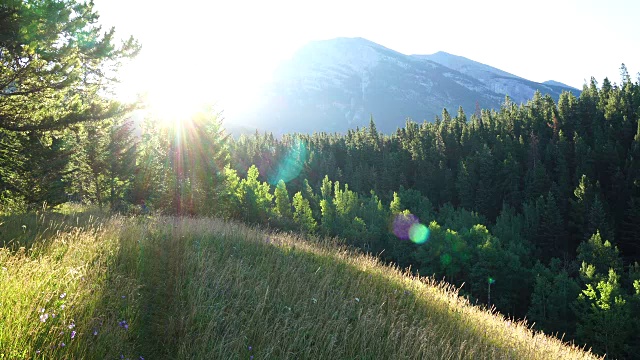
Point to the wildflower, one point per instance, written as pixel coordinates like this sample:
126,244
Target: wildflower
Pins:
358,299
95,332
62,345
123,296
44,317
123,324
250,348
42,310
62,296
73,334
141,358
53,315
251,357
72,325
315,301
62,307
37,352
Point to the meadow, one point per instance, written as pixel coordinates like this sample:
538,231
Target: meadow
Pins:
81,285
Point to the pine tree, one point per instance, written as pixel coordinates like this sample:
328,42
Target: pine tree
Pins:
552,298
302,215
121,162
597,257
552,240
395,206
283,205
256,198
52,65
604,320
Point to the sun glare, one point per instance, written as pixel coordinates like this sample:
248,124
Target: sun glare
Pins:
168,109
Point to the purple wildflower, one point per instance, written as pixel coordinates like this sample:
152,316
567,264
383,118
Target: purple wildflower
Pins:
123,296
44,317
62,345
73,334
72,325
251,357
95,332
250,348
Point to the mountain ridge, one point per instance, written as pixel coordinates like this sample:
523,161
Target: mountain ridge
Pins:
337,84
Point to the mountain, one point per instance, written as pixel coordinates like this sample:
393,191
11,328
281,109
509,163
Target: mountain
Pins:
337,84
519,89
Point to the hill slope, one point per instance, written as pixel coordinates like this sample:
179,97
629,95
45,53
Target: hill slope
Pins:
202,288
335,85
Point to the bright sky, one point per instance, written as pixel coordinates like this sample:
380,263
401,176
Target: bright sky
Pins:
219,50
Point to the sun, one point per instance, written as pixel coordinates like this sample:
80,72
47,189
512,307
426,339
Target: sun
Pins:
172,90
169,108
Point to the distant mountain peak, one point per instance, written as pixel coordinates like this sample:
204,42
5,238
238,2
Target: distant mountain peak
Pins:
557,83
334,85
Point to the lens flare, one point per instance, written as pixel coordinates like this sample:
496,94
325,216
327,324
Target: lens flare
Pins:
418,233
402,224
292,164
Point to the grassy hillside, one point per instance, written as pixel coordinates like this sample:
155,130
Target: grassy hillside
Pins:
80,286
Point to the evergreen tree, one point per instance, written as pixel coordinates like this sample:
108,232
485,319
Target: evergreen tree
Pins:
283,205
52,78
302,215
597,257
604,320
551,301
256,198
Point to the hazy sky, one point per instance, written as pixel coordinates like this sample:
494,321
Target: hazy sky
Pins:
221,48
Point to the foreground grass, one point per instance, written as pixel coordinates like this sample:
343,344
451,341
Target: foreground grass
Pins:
206,289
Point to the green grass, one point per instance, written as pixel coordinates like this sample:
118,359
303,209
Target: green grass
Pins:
208,289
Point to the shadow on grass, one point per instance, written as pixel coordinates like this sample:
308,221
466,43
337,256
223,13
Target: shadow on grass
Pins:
224,292
39,228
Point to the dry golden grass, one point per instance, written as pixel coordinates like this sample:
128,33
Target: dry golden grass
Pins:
209,289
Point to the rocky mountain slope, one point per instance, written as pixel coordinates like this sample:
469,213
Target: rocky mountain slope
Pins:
337,84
